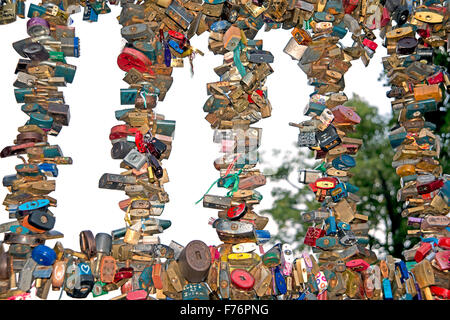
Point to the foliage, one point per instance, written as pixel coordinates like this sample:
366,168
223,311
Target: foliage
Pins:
373,174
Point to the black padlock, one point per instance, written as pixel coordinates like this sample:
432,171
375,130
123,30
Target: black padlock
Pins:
115,181
42,220
400,15
36,52
159,146
121,148
155,165
328,138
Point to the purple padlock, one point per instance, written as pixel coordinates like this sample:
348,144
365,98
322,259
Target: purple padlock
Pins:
37,27
414,220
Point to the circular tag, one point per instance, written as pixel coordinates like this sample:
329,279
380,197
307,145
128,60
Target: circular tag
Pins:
242,279
132,58
236,212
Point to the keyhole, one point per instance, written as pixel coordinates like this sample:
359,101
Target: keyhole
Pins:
198,255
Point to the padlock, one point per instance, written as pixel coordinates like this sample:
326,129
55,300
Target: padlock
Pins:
194,261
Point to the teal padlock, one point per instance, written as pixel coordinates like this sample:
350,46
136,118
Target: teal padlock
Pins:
396,139
43,121
323,17
20,93
29,108
128,96
35,10
315,108
165,127
52,151
339,31
212,104
67,71
195,291
146,48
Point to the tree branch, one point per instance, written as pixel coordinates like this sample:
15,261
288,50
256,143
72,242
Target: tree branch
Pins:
293,185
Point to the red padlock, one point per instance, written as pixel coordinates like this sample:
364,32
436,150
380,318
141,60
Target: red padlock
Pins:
436,78
430,187
423,250
249,97
326,183
236,212
137,295
444,243
385,17
126,287
122,131
242,279
215,254
322,295
440,292
357,265
131,58
343,114
350,5
370,44
312,234
442,259
123,273
139,140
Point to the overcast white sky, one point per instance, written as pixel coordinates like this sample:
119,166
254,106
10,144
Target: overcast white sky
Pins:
94,96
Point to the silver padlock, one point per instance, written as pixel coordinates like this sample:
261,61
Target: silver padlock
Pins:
135,159
26,275
294,49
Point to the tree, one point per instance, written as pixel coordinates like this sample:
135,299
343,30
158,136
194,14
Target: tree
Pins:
373,174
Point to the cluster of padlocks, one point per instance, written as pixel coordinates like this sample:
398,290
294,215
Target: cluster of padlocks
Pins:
419,84
40,74
132,259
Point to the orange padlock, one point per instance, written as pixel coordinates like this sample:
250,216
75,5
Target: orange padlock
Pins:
428,92
405,170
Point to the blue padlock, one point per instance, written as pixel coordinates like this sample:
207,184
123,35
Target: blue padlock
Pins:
280,282
262,236
387,290
85,269
343,226
339,192
403,270
43,255
19,230
331,222
33,205
50,168
343,162
174,45
43,273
